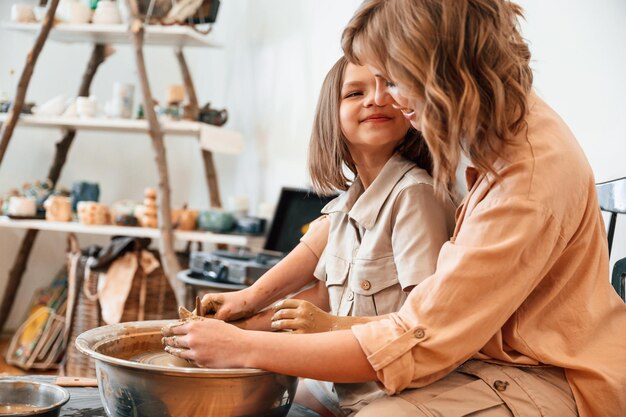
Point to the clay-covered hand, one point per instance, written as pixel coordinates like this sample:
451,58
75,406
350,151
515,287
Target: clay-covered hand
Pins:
303,317
228,306
206,342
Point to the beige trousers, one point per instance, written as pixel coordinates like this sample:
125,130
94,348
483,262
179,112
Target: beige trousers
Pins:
481,389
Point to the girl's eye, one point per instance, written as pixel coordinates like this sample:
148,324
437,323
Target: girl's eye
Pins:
389,84
353,94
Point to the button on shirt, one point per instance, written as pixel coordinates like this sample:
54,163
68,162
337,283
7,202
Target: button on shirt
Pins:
523,281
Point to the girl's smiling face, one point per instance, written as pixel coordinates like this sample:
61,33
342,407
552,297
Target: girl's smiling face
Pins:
366,122
387,90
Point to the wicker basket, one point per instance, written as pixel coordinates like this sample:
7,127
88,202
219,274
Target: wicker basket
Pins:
151,298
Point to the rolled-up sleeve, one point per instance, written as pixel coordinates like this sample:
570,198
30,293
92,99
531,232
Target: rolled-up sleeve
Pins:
502,251
316,237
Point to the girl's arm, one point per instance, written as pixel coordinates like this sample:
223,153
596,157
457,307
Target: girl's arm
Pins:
289,275
304,317
317,295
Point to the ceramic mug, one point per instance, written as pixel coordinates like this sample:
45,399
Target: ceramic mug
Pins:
84,191
107,13
215,220
58,208
92,213
22,13
22,206
86,106
78,13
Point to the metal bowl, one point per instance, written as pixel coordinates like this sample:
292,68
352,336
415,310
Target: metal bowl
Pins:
129,388
30,398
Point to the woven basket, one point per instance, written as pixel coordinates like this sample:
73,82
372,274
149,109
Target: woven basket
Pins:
151,298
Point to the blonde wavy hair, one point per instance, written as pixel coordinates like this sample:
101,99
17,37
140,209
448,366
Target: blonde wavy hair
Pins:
465,60
328,148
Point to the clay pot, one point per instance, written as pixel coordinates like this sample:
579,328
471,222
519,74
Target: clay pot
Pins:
184,219
58,208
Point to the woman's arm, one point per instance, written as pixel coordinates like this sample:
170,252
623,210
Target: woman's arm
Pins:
335,356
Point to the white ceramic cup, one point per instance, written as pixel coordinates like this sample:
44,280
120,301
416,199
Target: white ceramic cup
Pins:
78,13
86,106
22,13
107,13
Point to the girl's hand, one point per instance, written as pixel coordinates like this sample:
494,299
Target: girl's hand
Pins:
302,317
206,342
229,306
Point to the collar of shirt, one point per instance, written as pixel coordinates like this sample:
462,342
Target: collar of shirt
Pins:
364,206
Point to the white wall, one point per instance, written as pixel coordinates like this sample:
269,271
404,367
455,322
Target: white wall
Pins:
268,73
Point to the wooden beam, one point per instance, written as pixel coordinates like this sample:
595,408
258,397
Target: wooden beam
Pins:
166,243
207,156
20,262
6,131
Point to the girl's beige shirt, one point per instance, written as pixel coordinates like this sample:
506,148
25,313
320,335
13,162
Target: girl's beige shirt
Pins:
523,281
382,241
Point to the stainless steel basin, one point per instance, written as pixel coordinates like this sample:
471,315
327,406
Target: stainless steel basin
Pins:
129,388
31,398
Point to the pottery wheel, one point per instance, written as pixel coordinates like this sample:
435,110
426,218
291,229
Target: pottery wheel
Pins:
161,358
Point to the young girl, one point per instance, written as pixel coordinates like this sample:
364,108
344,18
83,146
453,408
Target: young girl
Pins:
519,318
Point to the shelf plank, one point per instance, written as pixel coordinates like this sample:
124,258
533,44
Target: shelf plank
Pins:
252,242
212,138
156,35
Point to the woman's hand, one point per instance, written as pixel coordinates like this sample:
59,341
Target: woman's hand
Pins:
206,342
302,317
229,306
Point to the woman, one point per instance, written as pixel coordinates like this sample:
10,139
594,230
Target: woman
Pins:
519,318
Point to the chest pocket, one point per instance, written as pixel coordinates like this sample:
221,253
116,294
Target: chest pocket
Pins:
375,287
337,270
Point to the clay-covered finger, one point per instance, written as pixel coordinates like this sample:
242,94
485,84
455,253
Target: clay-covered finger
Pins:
176,341
287,324
179,352
285,313
287,303
175,329
211,303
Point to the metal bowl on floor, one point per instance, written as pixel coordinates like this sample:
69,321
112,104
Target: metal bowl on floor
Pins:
133,383
30,398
